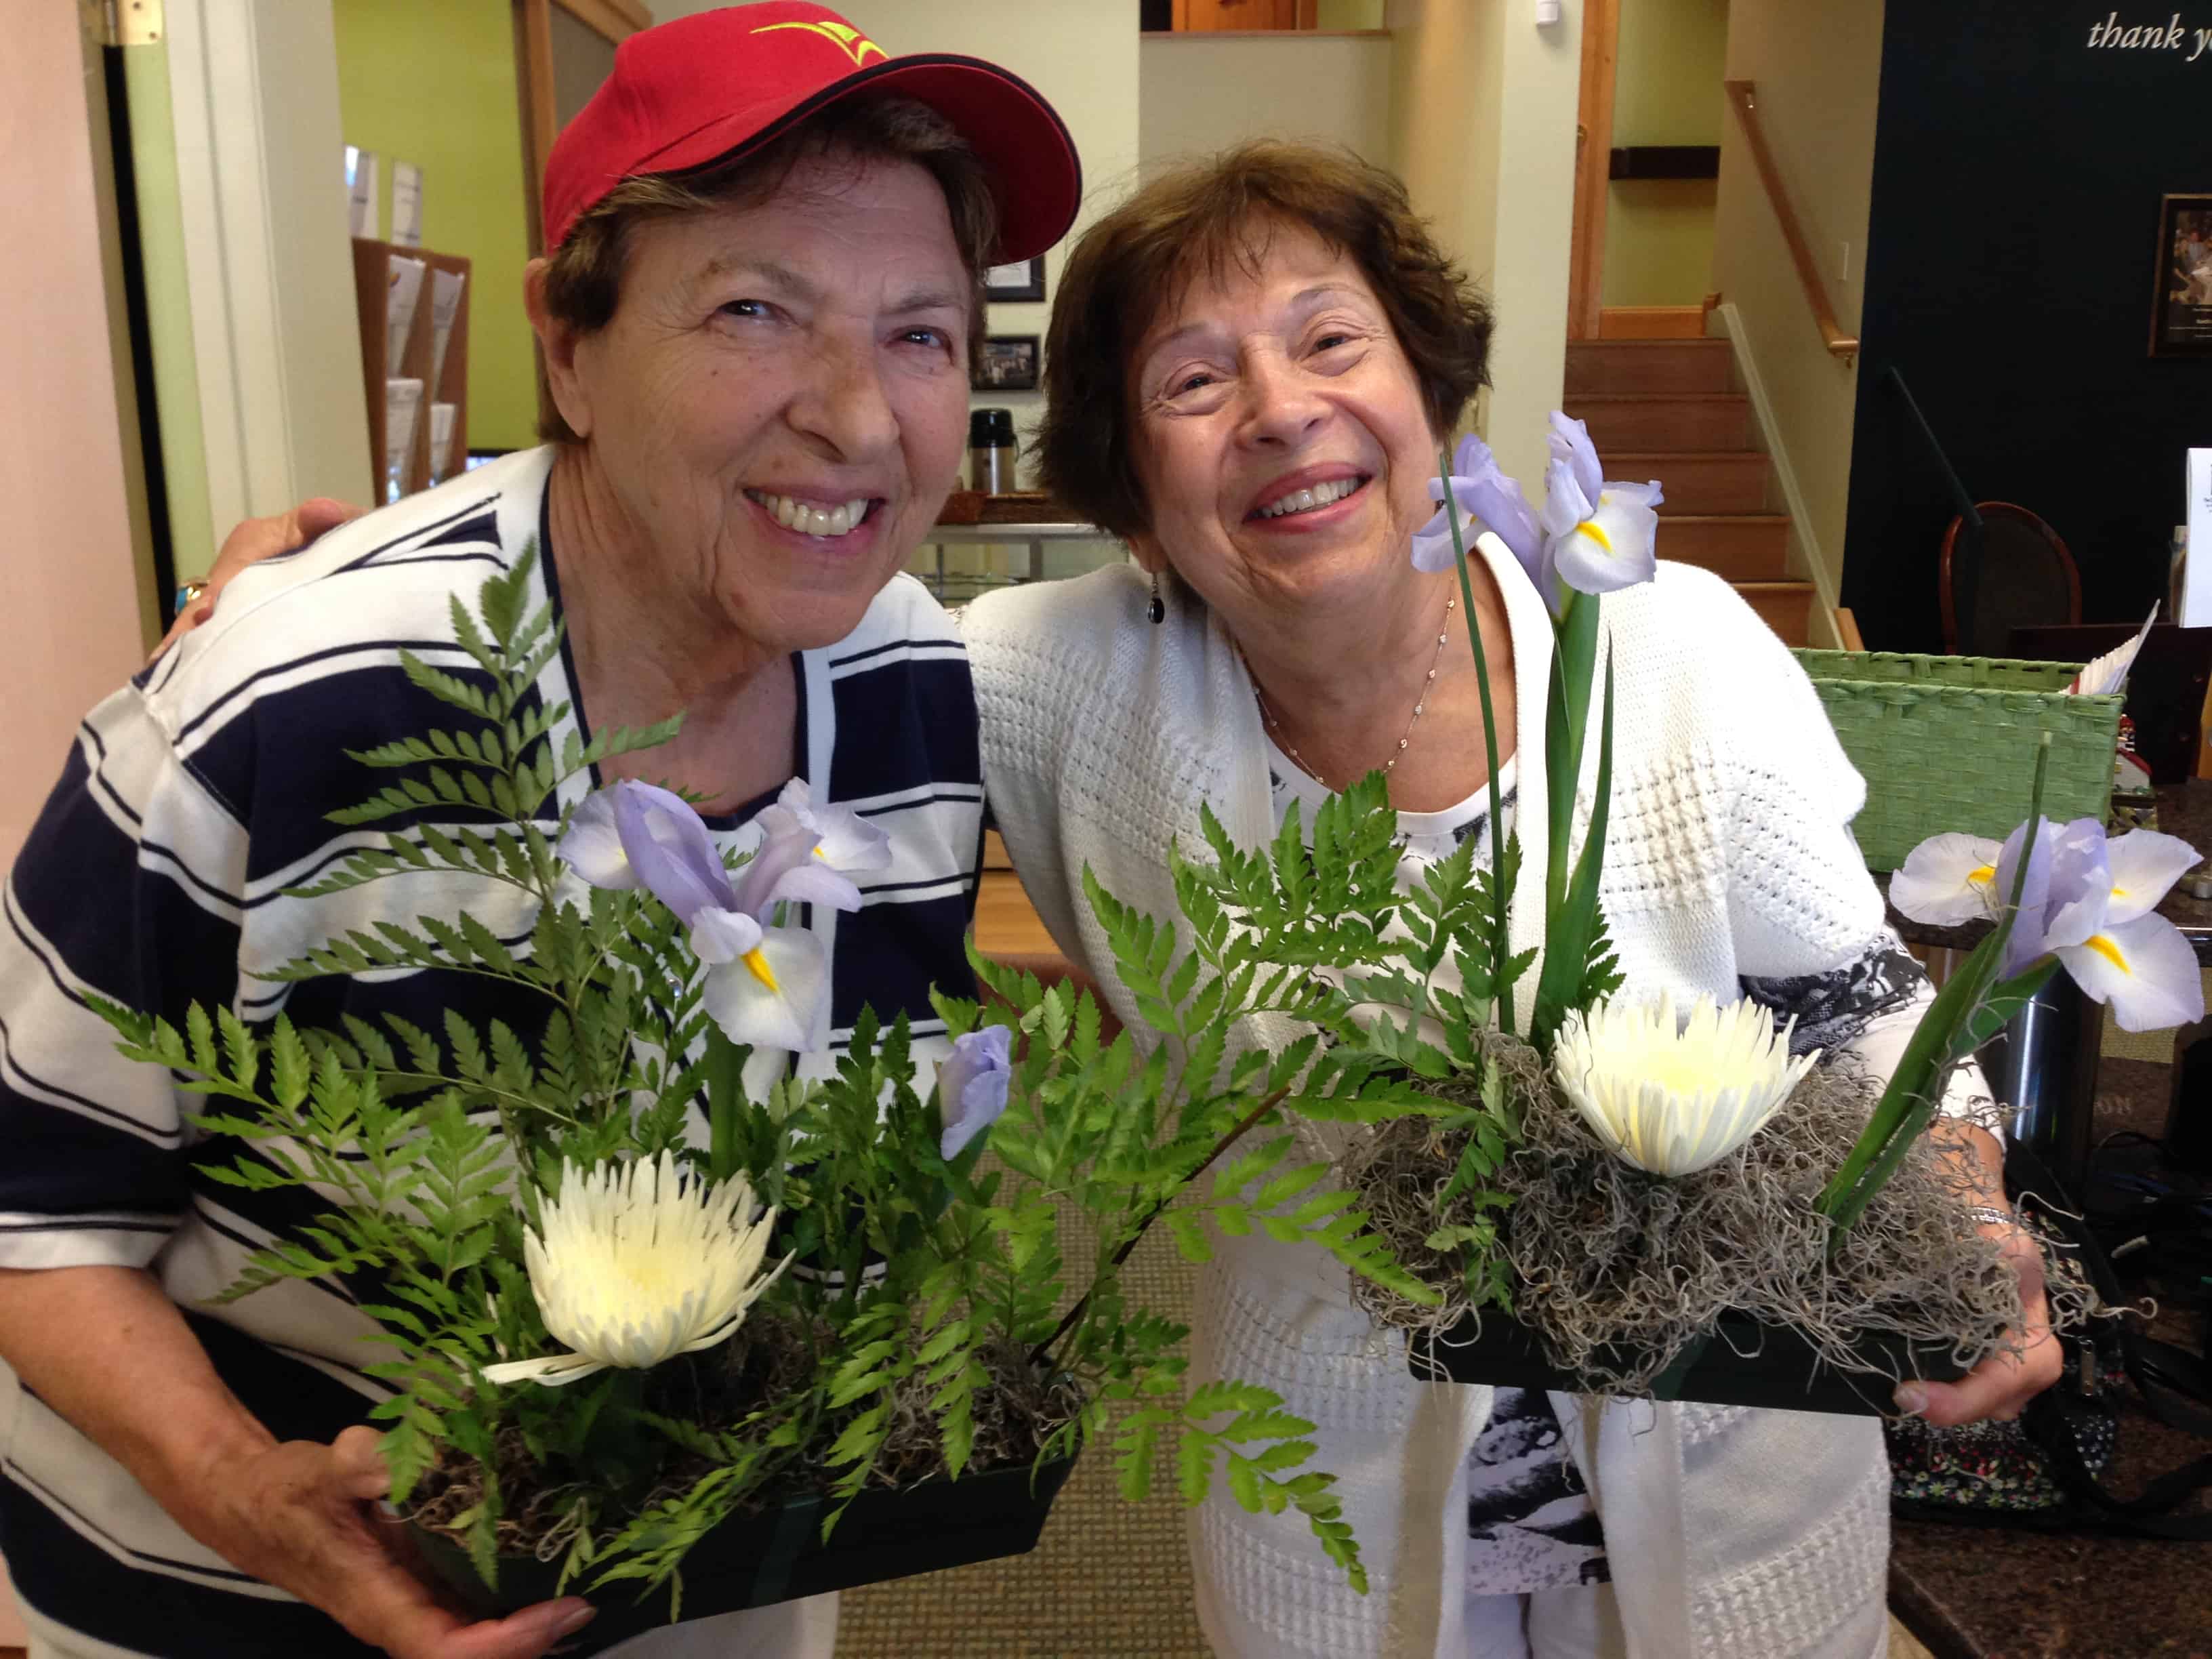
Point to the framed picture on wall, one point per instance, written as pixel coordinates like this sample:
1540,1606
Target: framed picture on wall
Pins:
1009,363
2181,318
1024,280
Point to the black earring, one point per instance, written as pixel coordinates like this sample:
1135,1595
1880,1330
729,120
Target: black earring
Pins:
1157,609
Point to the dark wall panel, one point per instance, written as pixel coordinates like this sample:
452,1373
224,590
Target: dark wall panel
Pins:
2018,173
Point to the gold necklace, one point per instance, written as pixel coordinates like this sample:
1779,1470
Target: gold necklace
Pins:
1421,706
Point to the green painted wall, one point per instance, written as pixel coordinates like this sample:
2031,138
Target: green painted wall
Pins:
433,82
1348,14
1667,90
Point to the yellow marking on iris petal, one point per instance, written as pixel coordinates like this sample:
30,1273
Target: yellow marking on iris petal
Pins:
1981,875
2103,945
758,963
1589,527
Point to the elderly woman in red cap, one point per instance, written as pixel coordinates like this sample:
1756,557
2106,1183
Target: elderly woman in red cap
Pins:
767,240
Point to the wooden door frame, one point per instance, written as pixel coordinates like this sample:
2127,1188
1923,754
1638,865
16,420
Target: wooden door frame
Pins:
1307,19
616,20
1593,168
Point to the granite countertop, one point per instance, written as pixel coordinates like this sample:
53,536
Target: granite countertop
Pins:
1993,1593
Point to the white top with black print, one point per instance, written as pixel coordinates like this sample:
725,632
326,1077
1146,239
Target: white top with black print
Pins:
1530,1524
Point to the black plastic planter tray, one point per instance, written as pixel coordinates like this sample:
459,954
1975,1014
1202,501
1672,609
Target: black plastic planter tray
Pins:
778,1555
1744,1363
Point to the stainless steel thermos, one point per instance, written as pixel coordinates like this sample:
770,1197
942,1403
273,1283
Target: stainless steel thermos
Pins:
991,451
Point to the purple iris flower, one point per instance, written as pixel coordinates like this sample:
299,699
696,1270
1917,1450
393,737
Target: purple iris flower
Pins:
1485,494
2090,901
849,841
786,867
1600,537
2080,887
971,1085
631,834
2026,943
1590,535
1570,444
765,986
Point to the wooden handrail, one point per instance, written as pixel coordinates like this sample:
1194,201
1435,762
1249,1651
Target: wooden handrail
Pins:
1744,95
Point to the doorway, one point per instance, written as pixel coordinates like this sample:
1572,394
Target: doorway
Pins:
1649,126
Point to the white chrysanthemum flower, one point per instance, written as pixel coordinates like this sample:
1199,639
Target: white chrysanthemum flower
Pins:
1674,1098
636,1263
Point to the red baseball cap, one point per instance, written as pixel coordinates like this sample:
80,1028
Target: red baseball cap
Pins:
719,82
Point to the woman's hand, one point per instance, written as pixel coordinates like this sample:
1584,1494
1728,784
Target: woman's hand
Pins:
2028,1361
300,1516
251,542
107,1349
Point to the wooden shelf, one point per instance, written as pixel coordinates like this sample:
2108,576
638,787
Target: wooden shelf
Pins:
372,267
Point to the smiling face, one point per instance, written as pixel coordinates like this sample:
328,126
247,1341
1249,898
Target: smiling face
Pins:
776,411
1279,435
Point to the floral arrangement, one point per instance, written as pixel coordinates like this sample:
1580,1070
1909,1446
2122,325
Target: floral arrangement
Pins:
1603,1173
628,1300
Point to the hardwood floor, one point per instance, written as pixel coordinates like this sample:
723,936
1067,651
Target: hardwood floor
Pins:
1005,922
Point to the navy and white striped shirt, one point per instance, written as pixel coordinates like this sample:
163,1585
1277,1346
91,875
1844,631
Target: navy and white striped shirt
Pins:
158,875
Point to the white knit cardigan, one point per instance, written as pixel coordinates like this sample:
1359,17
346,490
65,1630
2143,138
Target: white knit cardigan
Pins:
1731,1533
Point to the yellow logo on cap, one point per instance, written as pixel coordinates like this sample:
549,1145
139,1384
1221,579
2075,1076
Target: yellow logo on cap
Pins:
849,40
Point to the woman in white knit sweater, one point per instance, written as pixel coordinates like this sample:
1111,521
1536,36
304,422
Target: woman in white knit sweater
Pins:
1251,367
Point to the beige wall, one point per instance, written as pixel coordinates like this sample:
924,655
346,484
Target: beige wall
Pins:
1202,92
71,630
1818,66
1483,107
1659,232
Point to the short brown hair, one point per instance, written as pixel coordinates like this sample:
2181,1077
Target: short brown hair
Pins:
583,277
1136,262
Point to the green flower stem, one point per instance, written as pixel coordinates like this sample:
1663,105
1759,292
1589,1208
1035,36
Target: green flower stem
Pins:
1926,1055
1572,922
1848,1206
1938,1043
1501,946
1574,667
1986,1018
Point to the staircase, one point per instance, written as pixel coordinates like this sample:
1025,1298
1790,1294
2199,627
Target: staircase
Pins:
1670,410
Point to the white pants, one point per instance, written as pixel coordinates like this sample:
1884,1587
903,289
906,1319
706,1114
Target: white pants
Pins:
789,1630
1580,1623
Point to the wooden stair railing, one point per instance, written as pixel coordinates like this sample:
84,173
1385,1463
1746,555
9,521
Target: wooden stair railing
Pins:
1744,95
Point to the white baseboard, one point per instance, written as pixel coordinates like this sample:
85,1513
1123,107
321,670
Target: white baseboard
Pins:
1805,543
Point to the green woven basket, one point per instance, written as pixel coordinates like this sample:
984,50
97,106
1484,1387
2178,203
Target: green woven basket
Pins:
1948,743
